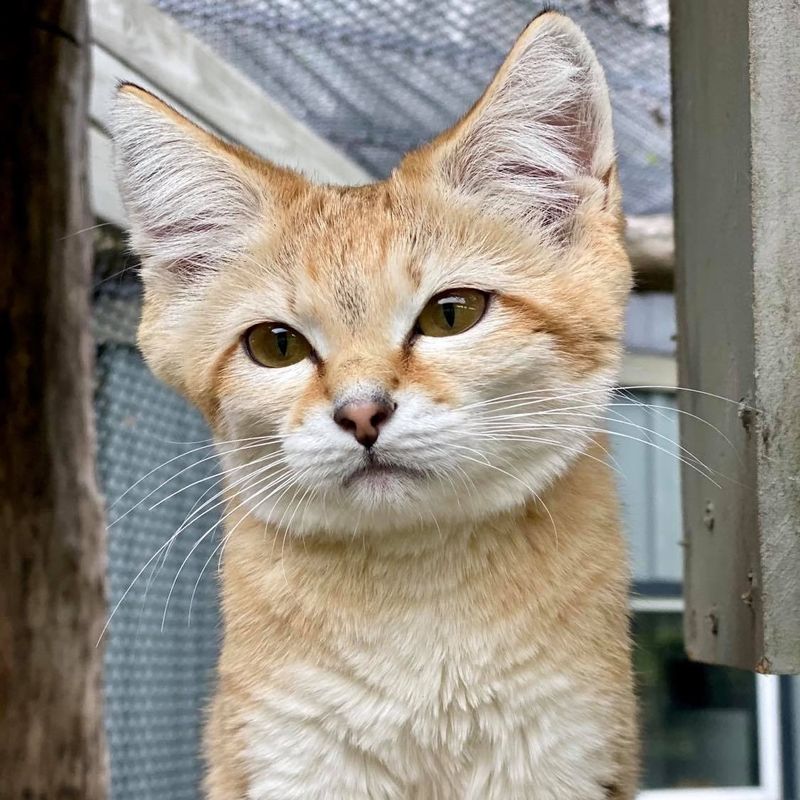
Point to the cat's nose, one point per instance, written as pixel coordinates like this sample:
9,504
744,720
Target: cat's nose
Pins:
364,418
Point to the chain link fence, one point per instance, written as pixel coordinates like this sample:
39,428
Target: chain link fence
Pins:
159,474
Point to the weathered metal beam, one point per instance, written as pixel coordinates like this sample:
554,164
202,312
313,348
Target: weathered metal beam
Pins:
737,180
155,50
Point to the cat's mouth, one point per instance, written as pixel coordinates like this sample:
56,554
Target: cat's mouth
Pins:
379,472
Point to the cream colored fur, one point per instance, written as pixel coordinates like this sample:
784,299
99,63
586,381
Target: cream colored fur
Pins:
457,632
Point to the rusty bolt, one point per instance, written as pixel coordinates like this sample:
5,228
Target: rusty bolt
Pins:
746,414
708,516
763,667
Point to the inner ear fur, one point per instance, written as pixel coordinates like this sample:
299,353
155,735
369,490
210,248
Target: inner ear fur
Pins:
194,201
539,142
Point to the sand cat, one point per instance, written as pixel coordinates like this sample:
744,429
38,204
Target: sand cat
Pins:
424,583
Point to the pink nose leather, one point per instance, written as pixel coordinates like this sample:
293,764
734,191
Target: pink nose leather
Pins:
364,419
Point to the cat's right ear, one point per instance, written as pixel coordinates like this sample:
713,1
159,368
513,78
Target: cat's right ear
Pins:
194,202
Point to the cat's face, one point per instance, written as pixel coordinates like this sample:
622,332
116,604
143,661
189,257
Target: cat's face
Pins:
431,348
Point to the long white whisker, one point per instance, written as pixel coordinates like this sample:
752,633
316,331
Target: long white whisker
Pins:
194,464
517,422
286,533
175,458
194,547
275,456
633,401
519,480
574,393
227,487
193,515
138,575
285,482
500,435
277,500
592,429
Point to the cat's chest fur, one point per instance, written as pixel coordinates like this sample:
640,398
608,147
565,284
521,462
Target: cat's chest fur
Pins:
474,673
422,712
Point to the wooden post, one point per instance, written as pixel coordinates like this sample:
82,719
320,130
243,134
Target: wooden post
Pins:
649,241
52,539
737,226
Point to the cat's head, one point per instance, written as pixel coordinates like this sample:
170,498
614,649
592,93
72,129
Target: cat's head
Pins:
432,347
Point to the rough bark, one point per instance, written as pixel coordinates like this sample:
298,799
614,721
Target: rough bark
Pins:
52,549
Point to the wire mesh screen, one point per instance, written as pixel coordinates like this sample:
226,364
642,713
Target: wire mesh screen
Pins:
163,638
378,78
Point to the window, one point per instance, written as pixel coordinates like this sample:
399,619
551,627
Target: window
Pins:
707,732
701,722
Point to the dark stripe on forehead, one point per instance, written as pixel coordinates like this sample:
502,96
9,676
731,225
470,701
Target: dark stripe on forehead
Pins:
348,295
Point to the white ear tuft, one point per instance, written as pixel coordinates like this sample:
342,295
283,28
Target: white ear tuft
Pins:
540,140
192,202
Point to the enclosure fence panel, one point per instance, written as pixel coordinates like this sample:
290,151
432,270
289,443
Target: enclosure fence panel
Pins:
161,480
379,78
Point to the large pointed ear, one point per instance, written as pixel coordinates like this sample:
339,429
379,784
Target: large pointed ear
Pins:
539,142
193,201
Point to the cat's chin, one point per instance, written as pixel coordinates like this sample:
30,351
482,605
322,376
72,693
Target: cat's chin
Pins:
386,503
373,499
380,479
380,494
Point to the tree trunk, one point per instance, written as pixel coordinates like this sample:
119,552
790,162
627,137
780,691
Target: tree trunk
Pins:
52,541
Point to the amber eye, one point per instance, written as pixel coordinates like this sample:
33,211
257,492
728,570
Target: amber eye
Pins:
451,312
274,345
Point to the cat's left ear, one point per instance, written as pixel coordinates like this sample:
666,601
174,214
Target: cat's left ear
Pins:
539,142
